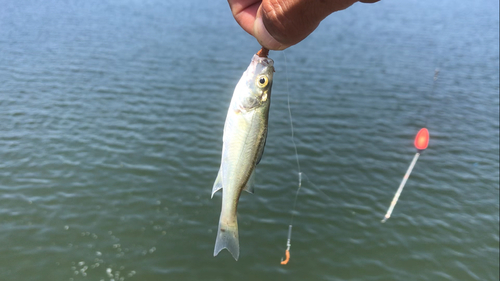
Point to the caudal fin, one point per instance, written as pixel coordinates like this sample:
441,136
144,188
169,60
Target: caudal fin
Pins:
227,237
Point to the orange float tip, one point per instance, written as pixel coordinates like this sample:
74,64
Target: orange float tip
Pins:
422,139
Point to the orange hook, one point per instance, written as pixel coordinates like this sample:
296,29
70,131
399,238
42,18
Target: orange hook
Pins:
287,254
263,53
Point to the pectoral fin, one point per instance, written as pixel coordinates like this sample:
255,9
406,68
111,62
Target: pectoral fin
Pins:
261,148
250,183
217,183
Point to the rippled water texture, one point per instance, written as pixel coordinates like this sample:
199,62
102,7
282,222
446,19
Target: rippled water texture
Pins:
111,118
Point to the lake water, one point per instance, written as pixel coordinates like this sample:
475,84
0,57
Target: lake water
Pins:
111,118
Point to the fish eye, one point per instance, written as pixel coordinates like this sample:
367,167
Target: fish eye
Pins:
262,81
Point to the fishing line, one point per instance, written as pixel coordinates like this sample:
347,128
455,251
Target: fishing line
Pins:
288,242
429,98
293,138
436,76
299,173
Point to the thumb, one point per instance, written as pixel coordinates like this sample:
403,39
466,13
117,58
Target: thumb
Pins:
280,24
264,37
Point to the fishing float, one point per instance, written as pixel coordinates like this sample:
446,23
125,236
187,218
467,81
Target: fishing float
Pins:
421,143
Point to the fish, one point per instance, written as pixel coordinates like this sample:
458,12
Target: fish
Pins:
244,138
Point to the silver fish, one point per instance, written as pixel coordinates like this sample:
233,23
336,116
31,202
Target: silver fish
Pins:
244,138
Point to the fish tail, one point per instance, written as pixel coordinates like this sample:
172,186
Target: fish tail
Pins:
227,236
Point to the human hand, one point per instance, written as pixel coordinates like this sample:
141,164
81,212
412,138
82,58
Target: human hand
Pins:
279,24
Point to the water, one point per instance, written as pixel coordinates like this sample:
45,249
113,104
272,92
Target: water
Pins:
111,117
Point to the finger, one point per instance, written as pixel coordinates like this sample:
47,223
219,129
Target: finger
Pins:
239,5
265,39
244,12
291,21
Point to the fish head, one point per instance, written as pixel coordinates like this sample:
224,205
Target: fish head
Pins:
254,88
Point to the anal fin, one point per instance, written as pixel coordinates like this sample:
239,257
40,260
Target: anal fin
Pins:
217,183
250,183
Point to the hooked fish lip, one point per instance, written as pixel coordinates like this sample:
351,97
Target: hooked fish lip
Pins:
263,61
266,61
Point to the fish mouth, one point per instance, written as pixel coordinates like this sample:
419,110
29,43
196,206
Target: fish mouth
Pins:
263,61
260,65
